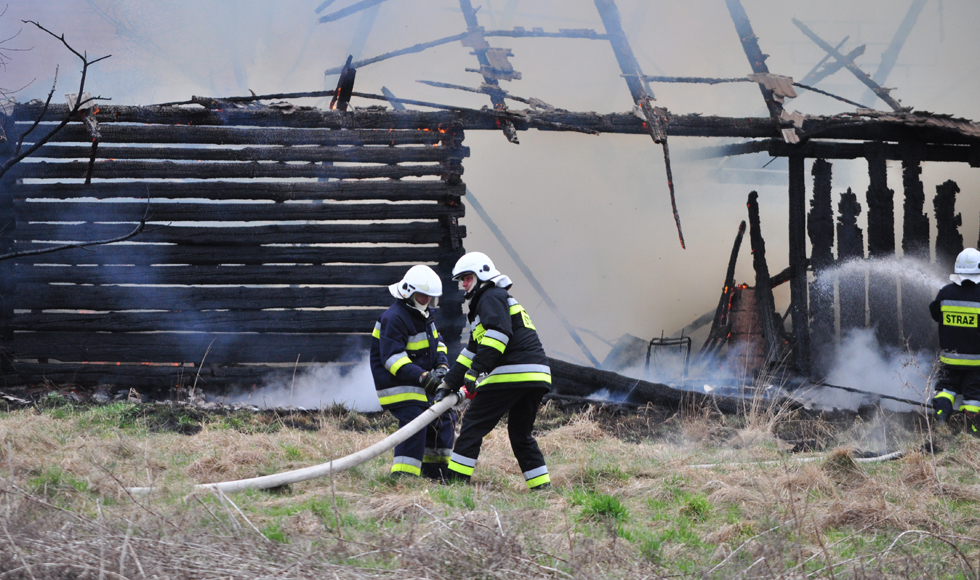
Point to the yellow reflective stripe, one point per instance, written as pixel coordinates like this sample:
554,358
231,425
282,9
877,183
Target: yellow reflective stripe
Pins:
376,333
418,345
517,308
519,377
540,480
402,397
466,362
460,468
399,364
406,468
970,408
960,362
442,348
493,343
478,332
435,333
945,395
958,308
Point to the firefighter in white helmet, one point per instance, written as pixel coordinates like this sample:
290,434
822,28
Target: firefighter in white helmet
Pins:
408,362
503,369
957,310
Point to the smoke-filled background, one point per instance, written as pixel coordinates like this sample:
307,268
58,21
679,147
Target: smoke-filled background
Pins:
589,215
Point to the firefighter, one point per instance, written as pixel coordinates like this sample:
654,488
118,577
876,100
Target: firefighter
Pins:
408,362
503,369
957,310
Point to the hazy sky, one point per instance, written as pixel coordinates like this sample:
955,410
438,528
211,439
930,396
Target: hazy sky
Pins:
590,215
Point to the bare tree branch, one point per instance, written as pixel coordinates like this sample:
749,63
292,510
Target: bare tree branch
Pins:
61,247
80,100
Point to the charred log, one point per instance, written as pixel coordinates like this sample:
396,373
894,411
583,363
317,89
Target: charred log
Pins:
882,289
918,329
720,325
768,318
850,246
798,264
820,227
949,241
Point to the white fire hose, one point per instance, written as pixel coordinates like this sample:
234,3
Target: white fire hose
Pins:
331,467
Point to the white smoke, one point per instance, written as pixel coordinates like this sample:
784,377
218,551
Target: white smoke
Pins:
862,363
318,387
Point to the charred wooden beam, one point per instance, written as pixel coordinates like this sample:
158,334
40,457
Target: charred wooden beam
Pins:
228,212
757,60
476,41
147,255
882,289
815,76
798,264
720,326
918,329
73,297
820,228
949,241
352,9
890,56
109,169
621,48
187,347
386,155
850,246
768,318
188,134
845,150
824,60
860,74
372,275
417,232
345,86
393,190
395,103
284,321
516,33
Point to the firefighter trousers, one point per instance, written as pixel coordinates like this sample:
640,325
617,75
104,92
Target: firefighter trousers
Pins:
427,452
483,414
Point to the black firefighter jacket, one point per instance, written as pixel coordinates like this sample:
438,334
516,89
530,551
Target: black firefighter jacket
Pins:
504,345
404,345
957,310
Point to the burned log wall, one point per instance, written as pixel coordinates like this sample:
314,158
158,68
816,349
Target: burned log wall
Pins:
270,239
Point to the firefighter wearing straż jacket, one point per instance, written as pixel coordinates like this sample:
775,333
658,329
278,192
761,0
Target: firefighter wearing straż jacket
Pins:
957,310
502,370
408,362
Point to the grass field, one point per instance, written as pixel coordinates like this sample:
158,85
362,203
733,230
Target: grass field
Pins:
644,495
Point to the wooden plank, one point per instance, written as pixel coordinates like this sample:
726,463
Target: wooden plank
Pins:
391,190
186,347
42,296
228,212
798,265
404,233
283,321
280,154
147,254
191,134
251,275
108,169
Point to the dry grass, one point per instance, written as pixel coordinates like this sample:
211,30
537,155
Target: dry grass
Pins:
621,506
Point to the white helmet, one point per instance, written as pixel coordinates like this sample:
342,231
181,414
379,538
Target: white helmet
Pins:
967,267
420,279
478,263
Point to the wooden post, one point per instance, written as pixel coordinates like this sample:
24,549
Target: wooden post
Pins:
798,263
850,246
918,329
882,289
949,241
820,227
768,319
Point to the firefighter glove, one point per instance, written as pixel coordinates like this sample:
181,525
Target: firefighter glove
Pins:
444,391
943,408
431,380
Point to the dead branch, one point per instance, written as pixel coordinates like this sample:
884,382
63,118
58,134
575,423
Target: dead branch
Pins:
61,247
80,101
352,9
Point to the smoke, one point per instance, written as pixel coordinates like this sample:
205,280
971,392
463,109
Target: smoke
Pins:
318,387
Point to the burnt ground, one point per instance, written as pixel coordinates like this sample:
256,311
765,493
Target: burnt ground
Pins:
797,430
